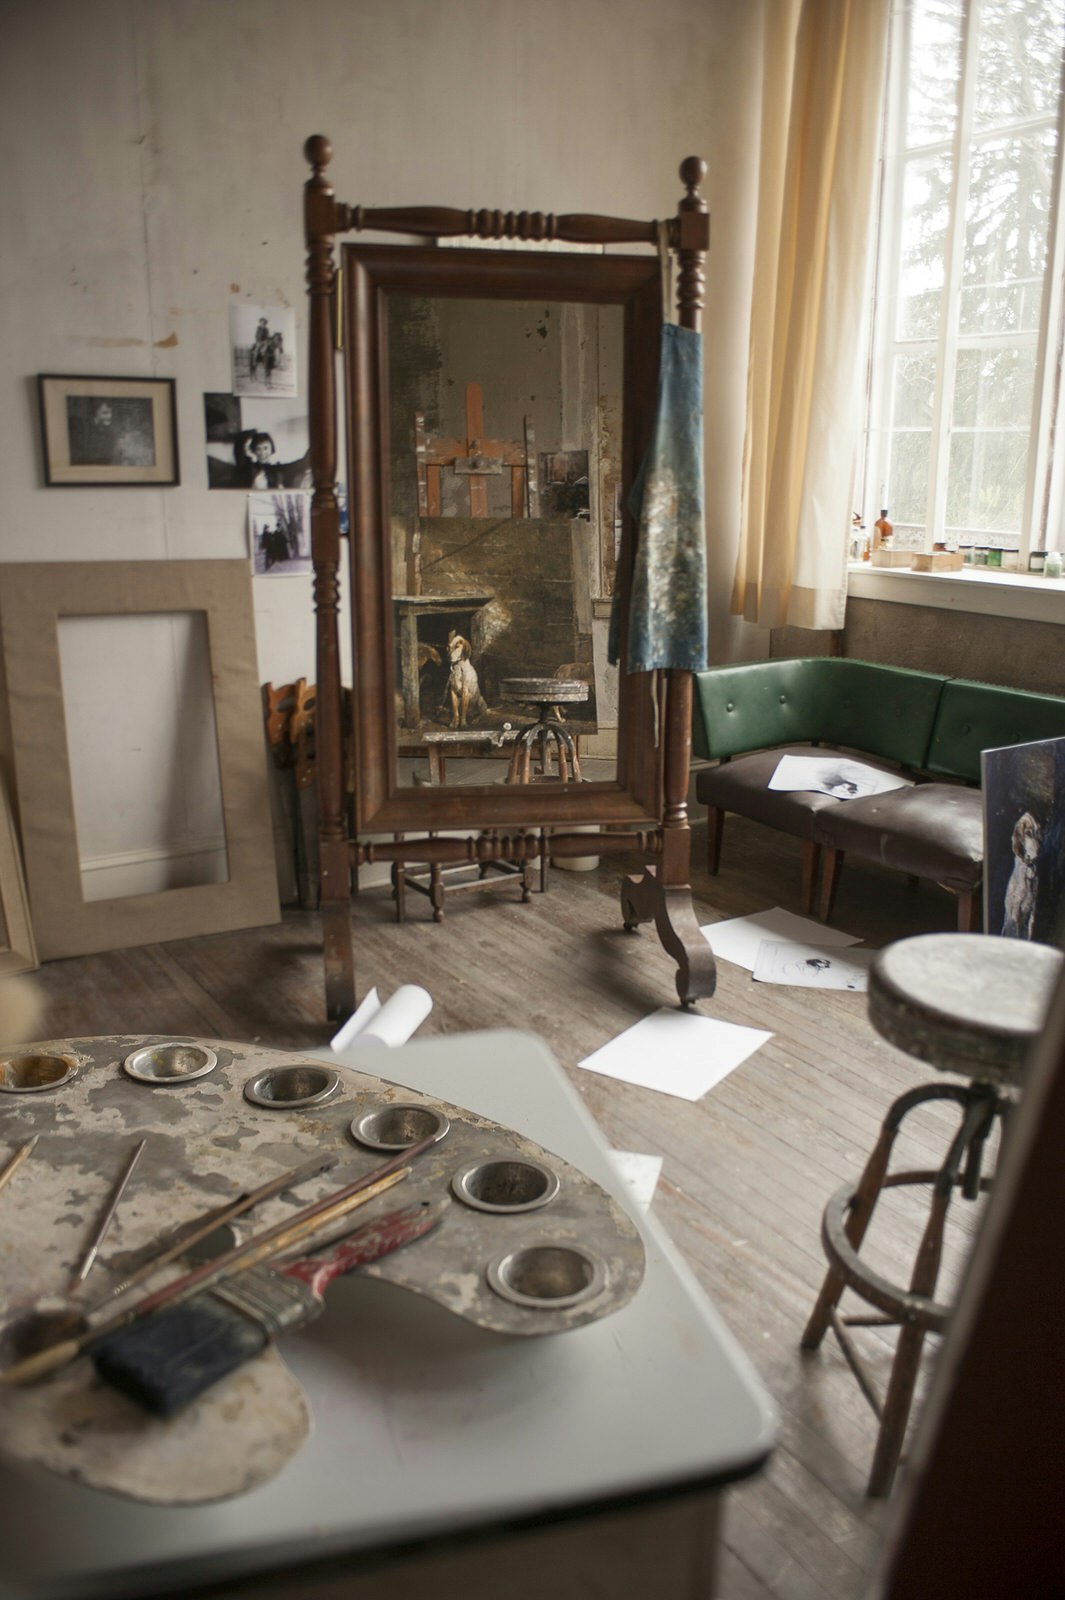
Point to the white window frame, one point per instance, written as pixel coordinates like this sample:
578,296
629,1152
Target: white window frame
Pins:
1045,488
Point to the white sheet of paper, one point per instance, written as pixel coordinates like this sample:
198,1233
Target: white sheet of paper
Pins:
838,775
641,1173
738,938
391,1023
676,1052
813,966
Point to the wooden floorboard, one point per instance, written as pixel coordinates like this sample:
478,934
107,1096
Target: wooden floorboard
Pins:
747,1170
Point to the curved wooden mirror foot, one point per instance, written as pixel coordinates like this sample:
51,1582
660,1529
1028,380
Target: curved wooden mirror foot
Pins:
646,899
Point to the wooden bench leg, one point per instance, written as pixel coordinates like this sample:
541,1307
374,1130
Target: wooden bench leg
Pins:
715,826
833,861
967,917
811,862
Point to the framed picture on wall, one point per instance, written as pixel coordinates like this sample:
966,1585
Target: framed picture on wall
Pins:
110,431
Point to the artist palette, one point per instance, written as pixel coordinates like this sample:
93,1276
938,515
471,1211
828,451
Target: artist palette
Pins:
528,1245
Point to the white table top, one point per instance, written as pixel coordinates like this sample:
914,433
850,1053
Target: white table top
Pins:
425,1424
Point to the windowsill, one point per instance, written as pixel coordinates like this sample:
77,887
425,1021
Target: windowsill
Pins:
1001,594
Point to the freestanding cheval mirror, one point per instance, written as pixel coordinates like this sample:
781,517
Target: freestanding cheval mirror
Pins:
499,402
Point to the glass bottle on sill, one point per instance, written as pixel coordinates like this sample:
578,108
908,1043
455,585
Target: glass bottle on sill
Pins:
884,530
1052,566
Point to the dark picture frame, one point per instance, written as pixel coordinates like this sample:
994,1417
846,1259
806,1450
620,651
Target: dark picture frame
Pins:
108,432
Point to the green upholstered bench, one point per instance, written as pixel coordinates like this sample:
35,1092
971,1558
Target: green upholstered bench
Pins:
925,726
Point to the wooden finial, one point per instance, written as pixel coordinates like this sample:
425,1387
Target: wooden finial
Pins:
692,172
318,151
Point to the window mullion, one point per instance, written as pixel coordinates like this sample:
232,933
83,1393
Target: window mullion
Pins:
886,282
1045,489
953,266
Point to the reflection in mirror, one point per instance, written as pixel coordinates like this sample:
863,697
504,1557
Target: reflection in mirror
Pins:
504,464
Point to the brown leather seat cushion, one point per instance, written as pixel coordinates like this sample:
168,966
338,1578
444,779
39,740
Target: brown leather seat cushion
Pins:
742,785
934,830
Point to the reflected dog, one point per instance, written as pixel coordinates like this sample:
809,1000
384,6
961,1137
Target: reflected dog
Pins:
463,686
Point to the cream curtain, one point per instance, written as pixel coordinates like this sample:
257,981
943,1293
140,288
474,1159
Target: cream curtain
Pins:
821,104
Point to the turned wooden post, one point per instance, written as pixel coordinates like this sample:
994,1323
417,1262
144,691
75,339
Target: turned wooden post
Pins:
692,240
323,218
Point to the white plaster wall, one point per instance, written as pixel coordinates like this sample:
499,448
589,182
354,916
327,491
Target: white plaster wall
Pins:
152,172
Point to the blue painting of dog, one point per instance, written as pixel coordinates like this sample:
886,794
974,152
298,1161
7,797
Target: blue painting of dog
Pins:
1024,841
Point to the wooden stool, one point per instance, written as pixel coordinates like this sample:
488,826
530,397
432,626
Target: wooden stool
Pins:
548,695
970,1004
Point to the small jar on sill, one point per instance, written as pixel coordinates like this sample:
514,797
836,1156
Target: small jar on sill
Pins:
1037,560
1054,564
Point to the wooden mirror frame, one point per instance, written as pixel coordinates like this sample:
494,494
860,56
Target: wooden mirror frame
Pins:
646,806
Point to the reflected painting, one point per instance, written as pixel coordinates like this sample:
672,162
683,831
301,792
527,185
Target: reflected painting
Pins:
504,465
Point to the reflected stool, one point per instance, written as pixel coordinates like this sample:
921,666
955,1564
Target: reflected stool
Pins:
548,695
969,1004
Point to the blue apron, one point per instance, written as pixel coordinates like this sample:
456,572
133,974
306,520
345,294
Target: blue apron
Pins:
668,605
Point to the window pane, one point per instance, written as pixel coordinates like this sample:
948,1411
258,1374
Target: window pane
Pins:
1019,60
907,491
913,390
1006,224
932,89
993,388
986,486
926,212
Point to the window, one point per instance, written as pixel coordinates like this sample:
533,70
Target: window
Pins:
965,373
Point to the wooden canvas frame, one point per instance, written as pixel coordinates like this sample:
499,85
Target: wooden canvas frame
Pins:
55,390
33,597
18,950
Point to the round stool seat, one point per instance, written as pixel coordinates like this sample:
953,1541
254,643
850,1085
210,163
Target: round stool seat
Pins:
970,1003
552,691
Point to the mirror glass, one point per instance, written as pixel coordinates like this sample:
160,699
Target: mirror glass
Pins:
504,464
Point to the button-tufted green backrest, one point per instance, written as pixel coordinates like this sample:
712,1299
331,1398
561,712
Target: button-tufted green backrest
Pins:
982,716
884,711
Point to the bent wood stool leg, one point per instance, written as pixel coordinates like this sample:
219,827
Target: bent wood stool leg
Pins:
914,1310
861,1207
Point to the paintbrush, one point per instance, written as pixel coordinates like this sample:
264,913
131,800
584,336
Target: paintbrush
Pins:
267,1244
169,1360
272,1242
17,1159
179,1241
106,1218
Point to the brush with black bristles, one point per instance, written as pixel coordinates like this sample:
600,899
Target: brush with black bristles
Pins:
168,1360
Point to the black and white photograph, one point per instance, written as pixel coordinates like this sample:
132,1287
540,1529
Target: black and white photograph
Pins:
1024,841
263,344
256,444
279,533
107,431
